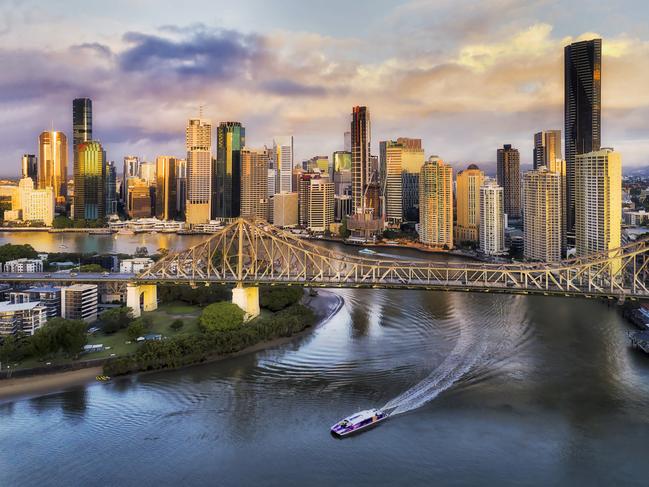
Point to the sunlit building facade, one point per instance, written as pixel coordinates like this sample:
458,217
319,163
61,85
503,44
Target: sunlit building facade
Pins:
29,166
391,167
492,218
436,204
467,196
283,163
254,184
547,147
199,171
509,178
166,192
543,215
53,163
231,138
89,181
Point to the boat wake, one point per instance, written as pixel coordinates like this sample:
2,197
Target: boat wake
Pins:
467,353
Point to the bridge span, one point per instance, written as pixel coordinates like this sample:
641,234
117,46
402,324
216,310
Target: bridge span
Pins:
250,253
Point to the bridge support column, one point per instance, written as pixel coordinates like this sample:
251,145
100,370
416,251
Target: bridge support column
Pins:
247,298
149,295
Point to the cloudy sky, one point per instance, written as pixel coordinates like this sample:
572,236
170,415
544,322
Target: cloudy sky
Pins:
465,76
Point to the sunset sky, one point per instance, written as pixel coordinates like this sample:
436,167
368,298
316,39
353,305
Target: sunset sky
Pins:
466,77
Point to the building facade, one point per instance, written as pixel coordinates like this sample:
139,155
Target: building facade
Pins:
582,111
320,205
166,192
436,204
467,197
361,136
231,138
79,302
198,140
53,164
24,266
35,205
509,178
542,229
547,147
89,181
492,218
285,210
254,184
283,163
598,201
29,167
391,167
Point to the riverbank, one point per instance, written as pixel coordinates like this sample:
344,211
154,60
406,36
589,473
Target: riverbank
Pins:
325,305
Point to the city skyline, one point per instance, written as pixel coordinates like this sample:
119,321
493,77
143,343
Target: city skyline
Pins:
427,93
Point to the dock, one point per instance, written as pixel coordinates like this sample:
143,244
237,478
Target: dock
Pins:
639,339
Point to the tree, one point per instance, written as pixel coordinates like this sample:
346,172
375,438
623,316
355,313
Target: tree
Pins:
43,342
344,232
177,324
116,319
221,316
12,252
93,268
70,335
279,297
62,222
135,329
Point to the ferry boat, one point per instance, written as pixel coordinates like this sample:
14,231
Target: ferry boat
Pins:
357,422
366,252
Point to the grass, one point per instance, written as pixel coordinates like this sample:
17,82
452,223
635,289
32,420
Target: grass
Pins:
163,317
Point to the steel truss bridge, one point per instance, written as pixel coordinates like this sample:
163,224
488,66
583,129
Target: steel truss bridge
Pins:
250,253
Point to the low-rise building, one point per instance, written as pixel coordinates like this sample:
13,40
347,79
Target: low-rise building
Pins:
48,296
79,302
636,218
136,265
24,265
21,317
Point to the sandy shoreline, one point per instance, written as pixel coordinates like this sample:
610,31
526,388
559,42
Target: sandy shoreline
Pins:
38,385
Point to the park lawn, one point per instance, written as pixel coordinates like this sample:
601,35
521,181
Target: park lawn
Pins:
178,308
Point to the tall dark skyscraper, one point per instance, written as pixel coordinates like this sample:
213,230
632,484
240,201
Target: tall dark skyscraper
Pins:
226,196
582,110
360,142
81,122
509,178
29,167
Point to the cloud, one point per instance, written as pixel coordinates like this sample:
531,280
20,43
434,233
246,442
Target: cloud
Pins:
286,87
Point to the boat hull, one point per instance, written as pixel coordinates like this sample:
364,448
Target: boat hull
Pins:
360,429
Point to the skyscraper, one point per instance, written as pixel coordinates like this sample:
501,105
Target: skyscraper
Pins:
360,141
283,156
199,170
111,188
391,167
467,196
543,215
342,176
53,164
509,178
582,110
81,123
231,138
412,160
598,201
254,184
131,170
181,187
492,218
547,147
321,204
89,181
166,190
29,167
436,203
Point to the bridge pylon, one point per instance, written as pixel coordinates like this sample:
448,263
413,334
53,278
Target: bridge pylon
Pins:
141,297
247,298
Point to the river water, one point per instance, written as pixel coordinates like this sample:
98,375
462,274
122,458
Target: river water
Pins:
488,390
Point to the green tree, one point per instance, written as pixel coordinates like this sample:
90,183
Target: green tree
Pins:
43,342
344,231
62,222
221,316
70,335
116,319
177,324
11,252
135,329
93,268
279,297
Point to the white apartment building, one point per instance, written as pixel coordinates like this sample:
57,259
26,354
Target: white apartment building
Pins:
79,302
542,198
492,218
24,265
135,266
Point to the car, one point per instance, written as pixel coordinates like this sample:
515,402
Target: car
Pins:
105,273
73,274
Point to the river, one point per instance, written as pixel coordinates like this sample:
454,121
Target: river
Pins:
491,390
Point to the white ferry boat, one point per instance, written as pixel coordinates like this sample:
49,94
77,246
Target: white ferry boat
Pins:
366,252
359,421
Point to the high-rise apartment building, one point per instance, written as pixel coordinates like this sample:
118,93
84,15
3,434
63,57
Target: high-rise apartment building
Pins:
79,302
148,173
53,163
320,205
436,203
467,196
283,163
582,110
347,142
131,170
547,147
412,159
285,210
199,171
181,187
89,181
509,178
254,184
166,191
361,135
81,123
492,218
342,172
29,167
543,215
231,138
391,167
598,201
139,202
